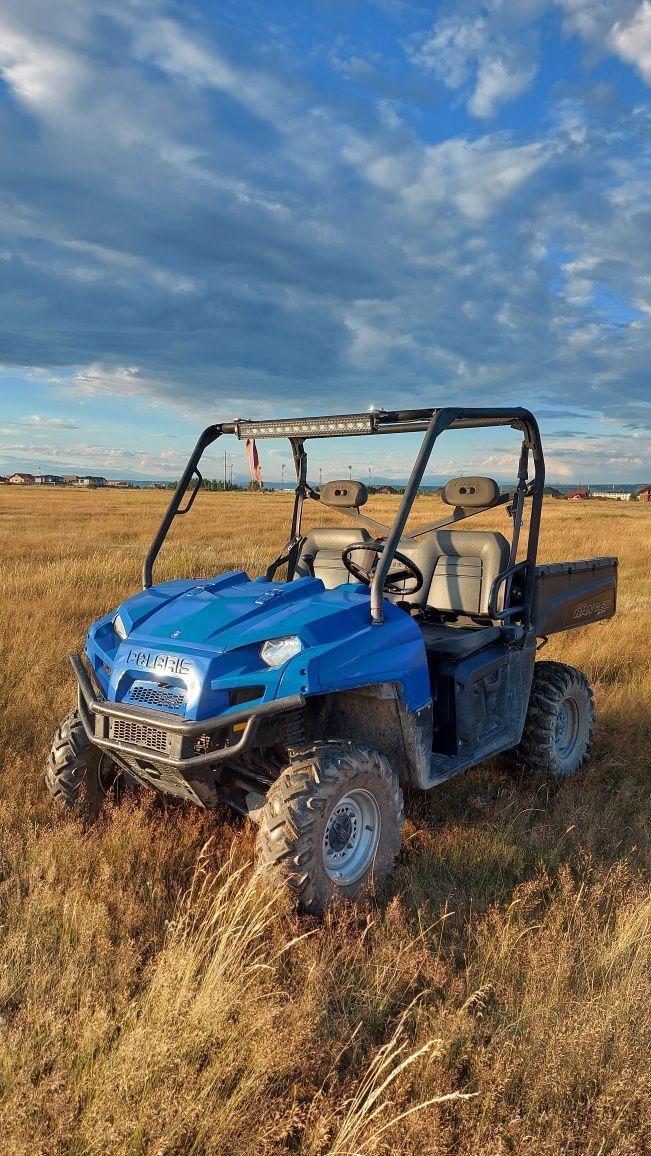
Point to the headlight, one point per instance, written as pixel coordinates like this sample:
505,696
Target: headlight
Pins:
275,651
119,627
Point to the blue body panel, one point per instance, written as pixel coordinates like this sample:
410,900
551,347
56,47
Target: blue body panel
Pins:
201,640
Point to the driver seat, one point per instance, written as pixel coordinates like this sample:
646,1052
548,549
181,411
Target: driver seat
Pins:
320,551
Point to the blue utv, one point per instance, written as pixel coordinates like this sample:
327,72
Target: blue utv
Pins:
386,655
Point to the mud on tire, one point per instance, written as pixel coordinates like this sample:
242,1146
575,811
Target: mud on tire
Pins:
78,776
331,827
557,735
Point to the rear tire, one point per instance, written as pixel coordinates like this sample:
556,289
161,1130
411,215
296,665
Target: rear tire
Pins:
557,735
331,827
79,776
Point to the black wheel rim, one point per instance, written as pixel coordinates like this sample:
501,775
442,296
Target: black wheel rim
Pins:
109,775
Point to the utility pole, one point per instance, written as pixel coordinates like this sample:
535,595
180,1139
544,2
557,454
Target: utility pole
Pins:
224,471
320,476
282,476
369,477
350,473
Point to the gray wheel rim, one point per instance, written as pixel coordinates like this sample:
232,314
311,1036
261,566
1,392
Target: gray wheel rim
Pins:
351,837
567,728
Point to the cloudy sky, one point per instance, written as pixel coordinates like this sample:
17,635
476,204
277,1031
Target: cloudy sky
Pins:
259,208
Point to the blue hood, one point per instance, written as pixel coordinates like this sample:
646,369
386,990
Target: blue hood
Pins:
202,639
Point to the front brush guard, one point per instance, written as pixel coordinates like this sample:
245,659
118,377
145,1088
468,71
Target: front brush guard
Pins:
171,742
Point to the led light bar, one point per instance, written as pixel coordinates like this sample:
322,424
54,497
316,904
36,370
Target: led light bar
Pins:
309,427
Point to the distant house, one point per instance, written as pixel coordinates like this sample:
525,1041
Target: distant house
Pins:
119,485
21,479
70,479
90,481
552,492
611,495
644,495
578,495
48,480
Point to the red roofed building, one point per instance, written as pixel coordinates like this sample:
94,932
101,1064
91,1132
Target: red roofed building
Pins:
21,479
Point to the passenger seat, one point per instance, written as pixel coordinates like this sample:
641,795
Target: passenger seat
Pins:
459,566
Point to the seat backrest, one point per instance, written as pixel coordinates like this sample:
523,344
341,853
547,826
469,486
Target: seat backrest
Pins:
324,546
459,568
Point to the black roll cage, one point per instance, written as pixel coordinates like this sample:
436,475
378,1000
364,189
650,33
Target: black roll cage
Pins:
431,422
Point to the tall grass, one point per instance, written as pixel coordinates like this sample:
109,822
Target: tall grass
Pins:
154,998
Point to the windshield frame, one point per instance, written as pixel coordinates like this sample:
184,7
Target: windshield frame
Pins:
432,423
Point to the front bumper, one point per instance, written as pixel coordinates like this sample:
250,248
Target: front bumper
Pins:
142,733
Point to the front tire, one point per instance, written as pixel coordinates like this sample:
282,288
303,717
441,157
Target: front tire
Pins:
79,776
331,827
557,735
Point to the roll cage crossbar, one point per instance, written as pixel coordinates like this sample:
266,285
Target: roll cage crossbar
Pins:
432,423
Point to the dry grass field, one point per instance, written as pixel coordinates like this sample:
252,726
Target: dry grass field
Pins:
155,1000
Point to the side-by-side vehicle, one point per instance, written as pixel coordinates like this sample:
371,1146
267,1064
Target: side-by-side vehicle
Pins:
385,654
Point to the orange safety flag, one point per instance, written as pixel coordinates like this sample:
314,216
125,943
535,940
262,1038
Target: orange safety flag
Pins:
253,460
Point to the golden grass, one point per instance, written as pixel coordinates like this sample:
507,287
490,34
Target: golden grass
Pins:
154,999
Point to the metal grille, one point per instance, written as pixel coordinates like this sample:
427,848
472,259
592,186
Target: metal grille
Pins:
156,696
139,735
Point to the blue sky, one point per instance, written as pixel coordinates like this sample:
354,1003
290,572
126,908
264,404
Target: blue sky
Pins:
257,209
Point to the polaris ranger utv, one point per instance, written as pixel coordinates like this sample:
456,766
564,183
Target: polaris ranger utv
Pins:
385,655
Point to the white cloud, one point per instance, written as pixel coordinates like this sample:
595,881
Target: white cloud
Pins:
43,75
111,381
58,422
220,234
498,81
632,40
165,43
473,177
450,48
475,53
593,21
489,53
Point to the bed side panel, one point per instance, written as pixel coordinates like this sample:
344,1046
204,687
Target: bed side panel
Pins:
569,594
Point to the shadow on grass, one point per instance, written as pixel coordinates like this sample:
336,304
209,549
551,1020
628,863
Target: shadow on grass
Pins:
469,843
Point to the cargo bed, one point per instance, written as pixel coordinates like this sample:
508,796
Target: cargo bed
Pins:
569,594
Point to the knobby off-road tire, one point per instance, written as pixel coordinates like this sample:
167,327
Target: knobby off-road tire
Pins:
557,734
79,776
332,824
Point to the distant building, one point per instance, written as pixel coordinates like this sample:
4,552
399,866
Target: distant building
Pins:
578,495
612,495
90,481
48,480
644,495
552,492
22,479
119,485
70,479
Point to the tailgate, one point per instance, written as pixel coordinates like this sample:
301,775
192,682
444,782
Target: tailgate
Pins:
568,594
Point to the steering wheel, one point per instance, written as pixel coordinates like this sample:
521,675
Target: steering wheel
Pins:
395,579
